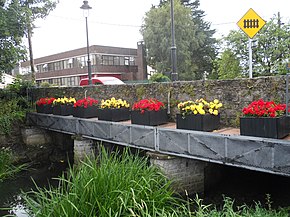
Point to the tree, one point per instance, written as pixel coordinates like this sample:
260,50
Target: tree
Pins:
17,17
193,42
228,66
12,29
270,50
36,9
159,77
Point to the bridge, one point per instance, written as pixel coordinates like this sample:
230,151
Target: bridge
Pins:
221,147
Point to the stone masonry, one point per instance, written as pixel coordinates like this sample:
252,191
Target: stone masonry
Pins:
234,94
187,175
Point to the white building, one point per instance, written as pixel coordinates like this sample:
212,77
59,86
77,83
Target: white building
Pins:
5,80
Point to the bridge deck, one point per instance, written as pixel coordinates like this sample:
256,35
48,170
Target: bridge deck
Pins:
224,146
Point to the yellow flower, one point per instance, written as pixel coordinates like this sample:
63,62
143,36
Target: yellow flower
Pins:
216,101
200,106
215,112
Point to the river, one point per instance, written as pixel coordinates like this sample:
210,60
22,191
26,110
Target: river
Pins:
11,190
244,186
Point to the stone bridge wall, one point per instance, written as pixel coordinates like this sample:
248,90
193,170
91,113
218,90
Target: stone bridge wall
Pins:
234,94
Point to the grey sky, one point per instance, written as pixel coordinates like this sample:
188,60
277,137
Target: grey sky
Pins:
117,23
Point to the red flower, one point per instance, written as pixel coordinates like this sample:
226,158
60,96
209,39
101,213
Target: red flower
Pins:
45,101
86,102
261,108
151,104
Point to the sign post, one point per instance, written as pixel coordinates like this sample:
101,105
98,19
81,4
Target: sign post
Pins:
251,23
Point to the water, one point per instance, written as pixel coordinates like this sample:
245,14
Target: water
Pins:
248,187
244,186
11,190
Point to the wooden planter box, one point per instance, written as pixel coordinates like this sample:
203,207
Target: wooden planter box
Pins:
121,114
46,109
268,127
151,118
198,122
63,110
89,112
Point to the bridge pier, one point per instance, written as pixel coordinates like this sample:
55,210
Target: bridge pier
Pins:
187,175
82,147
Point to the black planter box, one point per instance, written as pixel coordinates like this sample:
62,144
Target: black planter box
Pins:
39,108
89,112
198,122
63,110
151,118
121,114
46,109
268,127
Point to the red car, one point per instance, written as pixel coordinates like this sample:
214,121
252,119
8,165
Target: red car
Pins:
101,80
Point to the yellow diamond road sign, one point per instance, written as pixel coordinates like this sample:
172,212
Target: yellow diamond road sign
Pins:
251,23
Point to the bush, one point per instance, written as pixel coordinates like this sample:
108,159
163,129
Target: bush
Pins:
159,77
12,112
108,186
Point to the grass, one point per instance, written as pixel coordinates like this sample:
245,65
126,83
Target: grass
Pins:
7,168
120,184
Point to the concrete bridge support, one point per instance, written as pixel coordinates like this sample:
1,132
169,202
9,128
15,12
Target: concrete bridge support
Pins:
187,175
82,148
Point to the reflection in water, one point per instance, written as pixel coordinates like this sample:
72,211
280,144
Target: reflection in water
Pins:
11,190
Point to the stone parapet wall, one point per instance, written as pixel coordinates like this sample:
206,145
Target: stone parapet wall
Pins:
234,94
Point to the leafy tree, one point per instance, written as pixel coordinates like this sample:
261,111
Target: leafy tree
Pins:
36,9
270,52
228,66
17,17
12,29
159,77
195,50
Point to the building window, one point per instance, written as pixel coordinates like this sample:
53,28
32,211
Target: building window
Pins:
132,61
126,61
50,67
71,81
39,68
108,60
44,68
57,81
68,64
122,61
116,61
58,65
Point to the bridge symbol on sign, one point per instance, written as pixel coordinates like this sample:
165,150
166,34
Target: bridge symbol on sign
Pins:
251,23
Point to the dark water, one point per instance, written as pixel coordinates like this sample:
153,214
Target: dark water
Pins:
249,187
11,190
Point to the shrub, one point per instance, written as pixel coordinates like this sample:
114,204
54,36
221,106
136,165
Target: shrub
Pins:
110,185
159,77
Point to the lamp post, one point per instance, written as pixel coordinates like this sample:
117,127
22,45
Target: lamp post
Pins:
174,75
86,9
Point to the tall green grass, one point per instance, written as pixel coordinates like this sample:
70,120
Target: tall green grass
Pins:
120,184
109,185
7,167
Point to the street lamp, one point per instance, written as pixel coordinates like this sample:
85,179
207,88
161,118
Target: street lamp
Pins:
174,75
86,9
